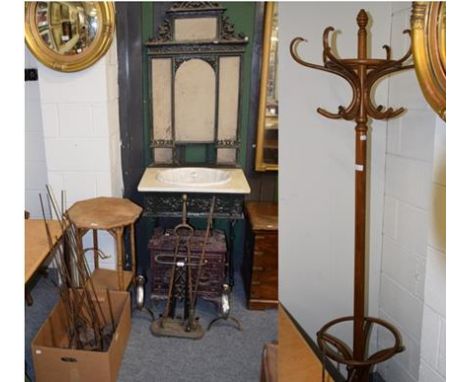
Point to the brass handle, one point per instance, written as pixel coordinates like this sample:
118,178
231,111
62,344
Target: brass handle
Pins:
259,253
261,269
256,282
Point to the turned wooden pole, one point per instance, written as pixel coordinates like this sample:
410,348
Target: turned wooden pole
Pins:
360,199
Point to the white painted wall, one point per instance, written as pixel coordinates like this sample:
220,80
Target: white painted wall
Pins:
80,120
316,187
413,254
432,367
35,159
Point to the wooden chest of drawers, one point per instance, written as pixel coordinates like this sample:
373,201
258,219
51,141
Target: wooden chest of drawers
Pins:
213,272
260,266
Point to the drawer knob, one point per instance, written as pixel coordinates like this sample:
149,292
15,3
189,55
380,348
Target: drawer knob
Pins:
259,253
256,282
260,269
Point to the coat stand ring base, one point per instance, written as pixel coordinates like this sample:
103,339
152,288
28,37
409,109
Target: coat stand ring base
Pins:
337,350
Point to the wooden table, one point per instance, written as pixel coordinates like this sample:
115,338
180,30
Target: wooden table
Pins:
37,246
296,360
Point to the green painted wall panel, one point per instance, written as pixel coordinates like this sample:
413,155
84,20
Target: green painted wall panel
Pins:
242,15
195,153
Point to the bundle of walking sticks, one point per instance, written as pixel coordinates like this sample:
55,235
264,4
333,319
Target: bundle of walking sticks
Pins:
88,325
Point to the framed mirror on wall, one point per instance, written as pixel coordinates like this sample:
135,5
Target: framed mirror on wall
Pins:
266,156
428,29
69,36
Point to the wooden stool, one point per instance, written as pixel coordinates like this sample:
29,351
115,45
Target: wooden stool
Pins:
112,215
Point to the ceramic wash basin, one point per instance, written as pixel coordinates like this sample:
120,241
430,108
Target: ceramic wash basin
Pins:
194,179
194,176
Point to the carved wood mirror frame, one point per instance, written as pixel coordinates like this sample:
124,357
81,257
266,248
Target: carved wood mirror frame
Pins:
428,27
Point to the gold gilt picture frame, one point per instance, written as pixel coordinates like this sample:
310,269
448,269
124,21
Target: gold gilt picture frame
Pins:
428,31
266,120
43,48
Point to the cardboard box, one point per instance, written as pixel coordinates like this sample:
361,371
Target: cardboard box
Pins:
53,363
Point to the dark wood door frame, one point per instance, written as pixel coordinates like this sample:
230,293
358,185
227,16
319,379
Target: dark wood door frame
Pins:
130,81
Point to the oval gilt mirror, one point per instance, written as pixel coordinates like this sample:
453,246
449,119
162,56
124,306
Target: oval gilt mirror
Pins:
428,28
69,36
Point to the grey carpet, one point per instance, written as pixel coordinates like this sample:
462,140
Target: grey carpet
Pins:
224,354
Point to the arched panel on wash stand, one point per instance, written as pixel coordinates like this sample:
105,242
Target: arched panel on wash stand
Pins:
194,102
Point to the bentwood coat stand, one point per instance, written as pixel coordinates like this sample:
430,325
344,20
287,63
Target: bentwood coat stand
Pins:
113,215
362,73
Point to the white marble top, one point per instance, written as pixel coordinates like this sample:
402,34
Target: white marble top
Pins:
237,183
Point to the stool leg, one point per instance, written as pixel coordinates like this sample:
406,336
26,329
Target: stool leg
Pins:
95,246
120,255
132,241
80,255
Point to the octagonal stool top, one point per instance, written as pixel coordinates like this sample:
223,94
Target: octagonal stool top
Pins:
104,213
